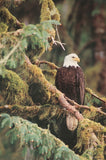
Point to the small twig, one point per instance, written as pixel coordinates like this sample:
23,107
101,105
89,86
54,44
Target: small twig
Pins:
57,33
57,42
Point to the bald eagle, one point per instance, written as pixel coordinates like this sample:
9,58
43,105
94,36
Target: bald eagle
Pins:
70,79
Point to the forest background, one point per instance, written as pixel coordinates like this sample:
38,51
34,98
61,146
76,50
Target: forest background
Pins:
82,29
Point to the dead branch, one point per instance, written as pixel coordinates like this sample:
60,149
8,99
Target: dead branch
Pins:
58,42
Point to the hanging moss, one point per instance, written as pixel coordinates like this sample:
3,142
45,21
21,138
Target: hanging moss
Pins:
49,11
8,19
14,89
90,136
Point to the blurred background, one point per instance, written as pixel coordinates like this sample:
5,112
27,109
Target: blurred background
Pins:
83,31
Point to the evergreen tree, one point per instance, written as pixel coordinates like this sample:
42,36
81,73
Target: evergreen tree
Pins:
33,112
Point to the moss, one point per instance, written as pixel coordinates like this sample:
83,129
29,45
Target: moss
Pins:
49,11
86,138
14,89
45,12
98,153
49,111
92,113
3,27
87,155
50,75
37,86
8,19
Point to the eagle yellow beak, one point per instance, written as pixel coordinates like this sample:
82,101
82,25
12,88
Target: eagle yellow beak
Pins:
77,59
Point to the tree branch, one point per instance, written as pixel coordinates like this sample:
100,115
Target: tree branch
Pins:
93,94
22,111
51,65
53,91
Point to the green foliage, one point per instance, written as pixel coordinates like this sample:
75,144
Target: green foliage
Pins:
95,11
32,38
63,153
42,142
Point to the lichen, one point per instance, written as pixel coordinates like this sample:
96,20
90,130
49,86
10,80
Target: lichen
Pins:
14,89
90,135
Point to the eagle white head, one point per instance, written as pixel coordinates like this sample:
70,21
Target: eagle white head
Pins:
71,60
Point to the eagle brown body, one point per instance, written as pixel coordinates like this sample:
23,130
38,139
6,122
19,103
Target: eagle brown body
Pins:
70,81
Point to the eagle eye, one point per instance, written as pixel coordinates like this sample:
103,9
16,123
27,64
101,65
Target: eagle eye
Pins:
73,57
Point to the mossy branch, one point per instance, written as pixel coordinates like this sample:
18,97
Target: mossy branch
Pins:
52,94
51,65
19,110
9,20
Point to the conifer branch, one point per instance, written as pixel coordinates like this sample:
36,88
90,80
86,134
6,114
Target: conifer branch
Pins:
10,53
42,142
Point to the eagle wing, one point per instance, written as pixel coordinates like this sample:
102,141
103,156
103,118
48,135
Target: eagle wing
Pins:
71,82
81,80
